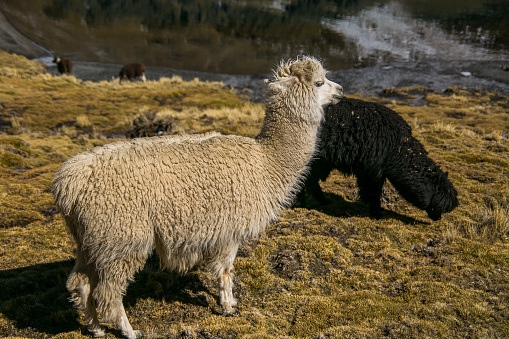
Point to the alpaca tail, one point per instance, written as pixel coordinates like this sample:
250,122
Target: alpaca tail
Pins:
70,179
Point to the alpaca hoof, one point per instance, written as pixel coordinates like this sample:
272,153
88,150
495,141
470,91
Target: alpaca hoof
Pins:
135,335
97,333
232,313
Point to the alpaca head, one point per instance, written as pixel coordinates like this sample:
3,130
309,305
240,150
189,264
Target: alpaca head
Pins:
302,82
444,197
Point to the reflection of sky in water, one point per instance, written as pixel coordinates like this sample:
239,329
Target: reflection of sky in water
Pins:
389,31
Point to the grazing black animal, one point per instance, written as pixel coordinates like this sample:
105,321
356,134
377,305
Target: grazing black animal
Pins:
132,71
64,65
374,143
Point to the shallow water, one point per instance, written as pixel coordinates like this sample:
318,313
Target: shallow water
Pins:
249,37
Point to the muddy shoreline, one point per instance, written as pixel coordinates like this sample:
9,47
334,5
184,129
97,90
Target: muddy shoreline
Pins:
370,81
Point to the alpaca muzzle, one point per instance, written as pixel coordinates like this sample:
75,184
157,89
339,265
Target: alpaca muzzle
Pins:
338,95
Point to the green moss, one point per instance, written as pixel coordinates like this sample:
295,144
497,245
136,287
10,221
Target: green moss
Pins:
10,217
485,254
10,160
475,158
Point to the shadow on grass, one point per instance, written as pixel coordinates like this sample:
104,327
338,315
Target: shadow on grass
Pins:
162,284
340,208
35,297
35,300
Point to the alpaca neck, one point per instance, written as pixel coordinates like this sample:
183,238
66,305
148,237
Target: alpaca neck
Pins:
289,143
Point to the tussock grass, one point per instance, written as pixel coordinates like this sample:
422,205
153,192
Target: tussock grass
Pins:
490,220
323,272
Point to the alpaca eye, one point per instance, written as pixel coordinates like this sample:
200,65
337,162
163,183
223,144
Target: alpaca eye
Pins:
319,83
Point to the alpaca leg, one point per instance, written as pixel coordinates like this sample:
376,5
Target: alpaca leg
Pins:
320,170
108,293
91,315
223,268
228,302
80,283
313,188
370,191
112,283
123,323
300,199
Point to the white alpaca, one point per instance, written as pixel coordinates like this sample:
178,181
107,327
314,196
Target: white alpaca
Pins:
194,198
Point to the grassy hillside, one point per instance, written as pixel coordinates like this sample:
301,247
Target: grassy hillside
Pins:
316,273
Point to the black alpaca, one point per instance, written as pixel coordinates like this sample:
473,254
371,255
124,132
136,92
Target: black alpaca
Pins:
374,143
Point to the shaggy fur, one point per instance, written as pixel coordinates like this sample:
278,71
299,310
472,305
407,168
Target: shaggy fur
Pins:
194,198
64,65
132,71
374,143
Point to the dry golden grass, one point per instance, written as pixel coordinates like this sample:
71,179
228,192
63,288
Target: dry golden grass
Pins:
323,272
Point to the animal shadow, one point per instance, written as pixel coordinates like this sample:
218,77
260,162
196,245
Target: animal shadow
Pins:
341,208
162,284
35,299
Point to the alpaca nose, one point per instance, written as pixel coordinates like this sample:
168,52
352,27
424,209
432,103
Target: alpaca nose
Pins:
339,92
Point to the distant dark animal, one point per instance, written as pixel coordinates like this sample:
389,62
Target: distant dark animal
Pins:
64,65
374,143
132,71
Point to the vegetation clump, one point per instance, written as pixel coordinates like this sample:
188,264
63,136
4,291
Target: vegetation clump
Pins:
319,272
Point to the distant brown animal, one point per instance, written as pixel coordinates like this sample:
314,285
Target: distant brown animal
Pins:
64,65
132,71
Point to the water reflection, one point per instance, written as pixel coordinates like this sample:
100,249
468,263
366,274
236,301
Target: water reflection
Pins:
250,36
388,32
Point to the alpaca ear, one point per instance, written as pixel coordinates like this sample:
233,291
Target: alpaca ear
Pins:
282,83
